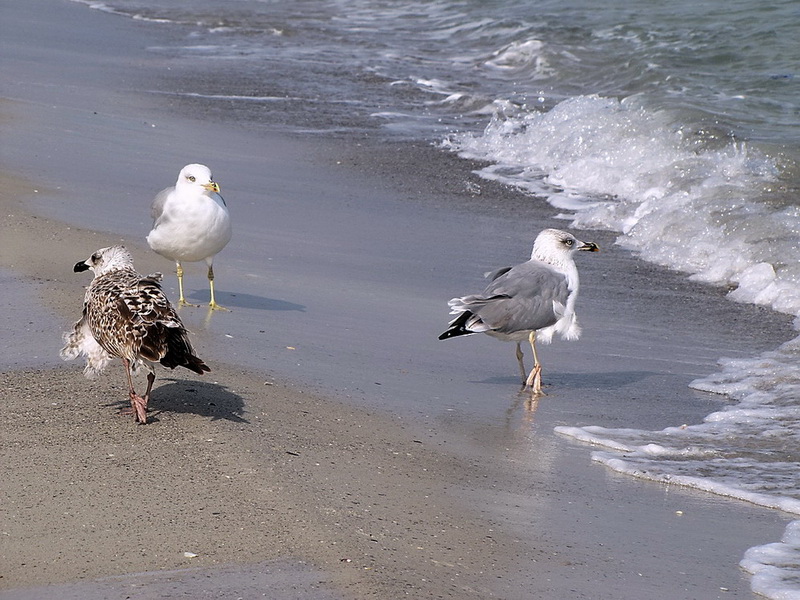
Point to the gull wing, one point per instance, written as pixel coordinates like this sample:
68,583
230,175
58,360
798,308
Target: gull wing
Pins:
523,298
157,207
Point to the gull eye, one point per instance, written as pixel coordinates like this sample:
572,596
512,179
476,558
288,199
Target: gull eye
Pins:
95,257
191,178
569,242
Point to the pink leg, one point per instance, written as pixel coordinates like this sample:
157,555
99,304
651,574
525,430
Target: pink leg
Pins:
138,404
150,379
534,381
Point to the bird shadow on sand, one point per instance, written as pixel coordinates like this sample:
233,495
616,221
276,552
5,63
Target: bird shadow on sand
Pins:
200,398
237,300
606,380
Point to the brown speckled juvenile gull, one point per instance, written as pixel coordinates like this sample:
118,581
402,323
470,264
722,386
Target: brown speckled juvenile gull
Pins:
537,296
127,316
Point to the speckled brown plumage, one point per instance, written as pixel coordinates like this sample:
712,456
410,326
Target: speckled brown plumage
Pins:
127,315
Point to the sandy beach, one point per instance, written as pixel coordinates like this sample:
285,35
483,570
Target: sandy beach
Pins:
337,449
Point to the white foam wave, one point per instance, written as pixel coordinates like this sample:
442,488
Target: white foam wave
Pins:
776,567
229,97
526,55
103,7
682,456
689,198
748,451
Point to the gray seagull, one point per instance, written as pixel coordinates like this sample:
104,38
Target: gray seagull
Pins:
531,300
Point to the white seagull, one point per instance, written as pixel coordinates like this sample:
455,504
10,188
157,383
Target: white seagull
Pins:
127,316
535,297
190,223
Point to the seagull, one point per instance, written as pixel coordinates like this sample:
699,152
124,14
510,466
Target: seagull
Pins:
535,297
127,316
190,223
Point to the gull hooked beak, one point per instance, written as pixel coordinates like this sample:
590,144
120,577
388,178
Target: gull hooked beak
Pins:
211,186
80,266
589,247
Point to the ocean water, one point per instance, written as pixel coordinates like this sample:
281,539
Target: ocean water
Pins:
674,125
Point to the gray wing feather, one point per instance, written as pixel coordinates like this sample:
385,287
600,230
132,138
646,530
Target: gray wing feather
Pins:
520,299
157,207
492,275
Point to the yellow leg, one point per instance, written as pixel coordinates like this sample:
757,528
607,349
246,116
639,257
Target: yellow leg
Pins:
213,304
181,300
534,381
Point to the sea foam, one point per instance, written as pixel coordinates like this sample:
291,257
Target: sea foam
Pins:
774,566
682,192
686,196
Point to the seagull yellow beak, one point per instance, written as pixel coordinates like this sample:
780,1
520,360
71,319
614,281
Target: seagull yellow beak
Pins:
590,247
211,186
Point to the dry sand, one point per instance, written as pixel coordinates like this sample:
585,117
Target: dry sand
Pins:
235,473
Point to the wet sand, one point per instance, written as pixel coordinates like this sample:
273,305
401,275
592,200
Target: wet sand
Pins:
337,449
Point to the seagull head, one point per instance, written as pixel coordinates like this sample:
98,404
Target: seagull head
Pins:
197,177
106,260
556,247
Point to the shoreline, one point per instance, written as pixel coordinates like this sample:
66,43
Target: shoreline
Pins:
453,441
458,492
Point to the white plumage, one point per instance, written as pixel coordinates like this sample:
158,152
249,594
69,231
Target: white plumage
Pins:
127,316
535,297
191,223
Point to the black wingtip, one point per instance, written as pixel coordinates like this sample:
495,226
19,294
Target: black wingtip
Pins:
455,332
457,326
